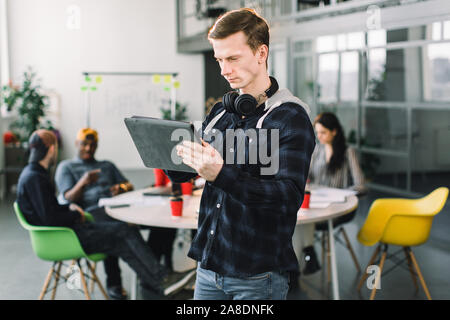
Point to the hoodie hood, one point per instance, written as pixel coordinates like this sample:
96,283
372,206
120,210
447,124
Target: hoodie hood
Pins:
280,97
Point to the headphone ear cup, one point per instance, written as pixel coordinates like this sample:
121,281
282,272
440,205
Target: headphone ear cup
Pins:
228,101
245,104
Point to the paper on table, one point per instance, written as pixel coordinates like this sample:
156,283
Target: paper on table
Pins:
319,205
136,201
329,195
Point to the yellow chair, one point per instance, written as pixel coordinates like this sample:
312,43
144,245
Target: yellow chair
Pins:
400,222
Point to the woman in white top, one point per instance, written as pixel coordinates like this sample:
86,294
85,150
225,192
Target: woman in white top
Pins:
333,164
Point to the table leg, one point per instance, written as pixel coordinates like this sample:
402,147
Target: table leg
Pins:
133,286
334,275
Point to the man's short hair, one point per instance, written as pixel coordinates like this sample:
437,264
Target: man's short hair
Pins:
87,133
39,142
247,20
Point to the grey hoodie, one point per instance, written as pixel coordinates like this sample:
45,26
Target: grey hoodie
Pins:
280,97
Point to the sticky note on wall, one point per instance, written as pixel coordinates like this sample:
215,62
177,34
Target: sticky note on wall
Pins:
167,78
156,79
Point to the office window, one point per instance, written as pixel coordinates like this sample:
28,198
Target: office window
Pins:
326,44
304,79
328,77
349,76
385,128
376,38
437,72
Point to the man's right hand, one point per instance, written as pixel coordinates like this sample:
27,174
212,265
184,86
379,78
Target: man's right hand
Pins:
90,176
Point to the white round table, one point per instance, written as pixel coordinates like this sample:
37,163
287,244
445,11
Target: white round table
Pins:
155,211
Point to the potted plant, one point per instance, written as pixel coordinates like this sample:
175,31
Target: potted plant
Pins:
29,103
180,112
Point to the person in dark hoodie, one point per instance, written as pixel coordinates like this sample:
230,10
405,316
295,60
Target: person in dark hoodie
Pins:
249,205
37,200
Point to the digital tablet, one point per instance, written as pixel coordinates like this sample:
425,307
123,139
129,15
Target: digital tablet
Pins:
156,139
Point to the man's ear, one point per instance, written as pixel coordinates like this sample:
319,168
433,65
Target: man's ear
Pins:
263,53
51,149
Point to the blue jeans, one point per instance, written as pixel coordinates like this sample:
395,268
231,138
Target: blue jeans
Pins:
210,285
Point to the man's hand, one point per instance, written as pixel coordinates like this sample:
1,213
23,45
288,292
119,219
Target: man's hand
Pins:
115,189
203,158
75,207
121,188
90,176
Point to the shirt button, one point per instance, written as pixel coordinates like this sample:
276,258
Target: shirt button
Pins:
231,150
212,232
218,205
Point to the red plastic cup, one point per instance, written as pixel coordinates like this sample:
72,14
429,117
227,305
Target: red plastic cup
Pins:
305,204
160,177
186,188
166,180
176,204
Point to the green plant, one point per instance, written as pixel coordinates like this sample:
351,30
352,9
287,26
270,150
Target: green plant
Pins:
30,104
180,112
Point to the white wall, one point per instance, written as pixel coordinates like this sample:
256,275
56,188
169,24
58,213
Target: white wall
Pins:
114,35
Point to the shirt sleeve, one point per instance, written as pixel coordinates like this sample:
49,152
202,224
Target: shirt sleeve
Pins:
355,171
286,187
178,176
64,180
46,206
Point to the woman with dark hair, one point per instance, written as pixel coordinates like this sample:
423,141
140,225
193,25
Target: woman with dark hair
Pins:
333,164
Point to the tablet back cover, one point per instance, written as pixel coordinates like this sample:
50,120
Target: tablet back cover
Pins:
156,139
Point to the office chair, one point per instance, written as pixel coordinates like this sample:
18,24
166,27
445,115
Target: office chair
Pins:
58,244
400,222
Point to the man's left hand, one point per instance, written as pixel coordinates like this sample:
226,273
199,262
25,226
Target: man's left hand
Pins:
115,190
203,158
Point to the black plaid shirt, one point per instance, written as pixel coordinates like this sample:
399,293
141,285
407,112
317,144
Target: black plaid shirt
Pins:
246,219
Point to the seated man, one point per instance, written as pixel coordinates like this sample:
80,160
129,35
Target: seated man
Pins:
84,180
36,198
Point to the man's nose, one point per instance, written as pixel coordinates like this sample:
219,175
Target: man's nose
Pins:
226,68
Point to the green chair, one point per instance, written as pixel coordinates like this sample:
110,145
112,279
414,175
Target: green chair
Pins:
58,244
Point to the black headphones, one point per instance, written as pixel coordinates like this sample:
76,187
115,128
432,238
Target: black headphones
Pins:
245,104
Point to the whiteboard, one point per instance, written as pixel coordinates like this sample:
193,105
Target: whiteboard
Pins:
115,98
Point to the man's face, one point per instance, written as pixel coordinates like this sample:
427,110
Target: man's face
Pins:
86,149
238,63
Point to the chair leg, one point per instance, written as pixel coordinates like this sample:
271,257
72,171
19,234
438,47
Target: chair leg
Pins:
410,266
56,280
92,280
378,278
83,281
350,248
47,281
372,259
422,281
95,279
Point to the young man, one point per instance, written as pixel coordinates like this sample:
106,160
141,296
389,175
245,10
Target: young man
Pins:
248,211
84,180
37,200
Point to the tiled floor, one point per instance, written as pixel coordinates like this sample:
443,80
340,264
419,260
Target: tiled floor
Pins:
22,274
